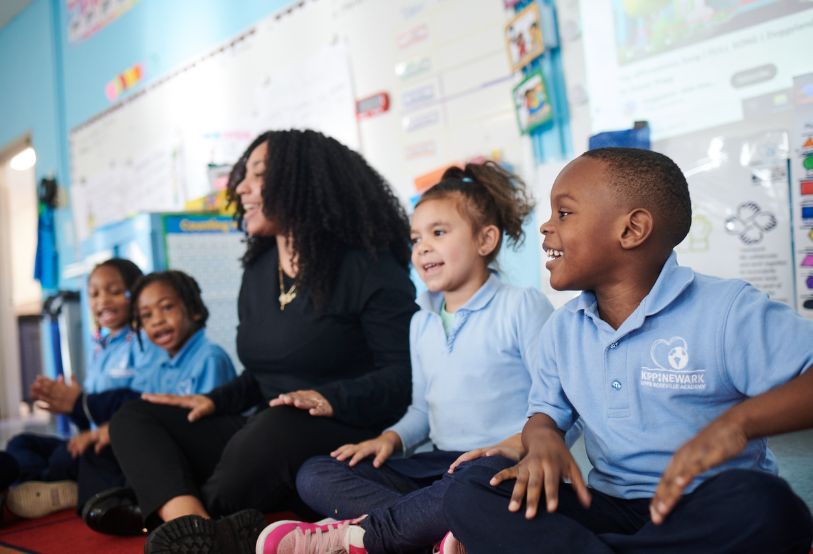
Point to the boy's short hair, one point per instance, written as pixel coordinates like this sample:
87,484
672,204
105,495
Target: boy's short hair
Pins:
654,182
184,285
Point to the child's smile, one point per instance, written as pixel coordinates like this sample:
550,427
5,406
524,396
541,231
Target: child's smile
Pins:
553,255
584,212
108,298
444,250
163,317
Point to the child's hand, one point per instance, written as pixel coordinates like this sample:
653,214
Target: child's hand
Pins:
314,402
382,446
721,440
199,405
80,442
102,438
510,448
56,396
547,462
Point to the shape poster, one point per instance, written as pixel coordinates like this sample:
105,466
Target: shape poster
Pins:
741,217
801,169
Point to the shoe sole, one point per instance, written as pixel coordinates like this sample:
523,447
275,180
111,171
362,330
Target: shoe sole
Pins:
184,535
195,535
34,499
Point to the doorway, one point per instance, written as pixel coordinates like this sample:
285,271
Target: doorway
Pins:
20,293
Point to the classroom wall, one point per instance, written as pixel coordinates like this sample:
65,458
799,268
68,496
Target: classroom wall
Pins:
68,82
49,85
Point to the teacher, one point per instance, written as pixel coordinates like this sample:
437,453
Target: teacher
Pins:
324,311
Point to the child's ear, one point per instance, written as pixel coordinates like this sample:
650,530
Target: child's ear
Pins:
197,317
638,226
489,238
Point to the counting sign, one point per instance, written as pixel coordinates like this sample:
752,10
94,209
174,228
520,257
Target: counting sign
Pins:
372,105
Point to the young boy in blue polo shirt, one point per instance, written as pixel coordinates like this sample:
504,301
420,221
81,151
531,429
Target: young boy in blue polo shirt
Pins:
678,378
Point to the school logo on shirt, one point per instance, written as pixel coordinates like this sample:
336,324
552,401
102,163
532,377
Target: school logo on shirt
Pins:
671,367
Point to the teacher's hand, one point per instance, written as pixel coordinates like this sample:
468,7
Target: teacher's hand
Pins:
199,405
315,403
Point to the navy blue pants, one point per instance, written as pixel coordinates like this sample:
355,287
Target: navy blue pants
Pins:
736,511
403,499
42,458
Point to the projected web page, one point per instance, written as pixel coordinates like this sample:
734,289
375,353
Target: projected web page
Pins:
686,65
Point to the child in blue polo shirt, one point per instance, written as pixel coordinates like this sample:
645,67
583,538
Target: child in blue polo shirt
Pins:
470,377
45,467
168,307
678,378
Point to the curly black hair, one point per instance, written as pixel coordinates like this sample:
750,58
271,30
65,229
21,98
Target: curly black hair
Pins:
184,285
652,181
492,196
329,200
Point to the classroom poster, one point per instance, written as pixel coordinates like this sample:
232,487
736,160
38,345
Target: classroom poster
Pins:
801,167
740,210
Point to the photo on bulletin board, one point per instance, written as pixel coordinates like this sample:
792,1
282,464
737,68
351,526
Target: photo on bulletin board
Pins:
523,37
531,102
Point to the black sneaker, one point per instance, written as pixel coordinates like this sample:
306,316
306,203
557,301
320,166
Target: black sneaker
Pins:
234,534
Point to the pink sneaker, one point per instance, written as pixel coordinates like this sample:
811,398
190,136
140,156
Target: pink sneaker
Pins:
449,545
297,537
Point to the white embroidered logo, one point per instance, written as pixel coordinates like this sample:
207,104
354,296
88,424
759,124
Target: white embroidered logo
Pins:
671,357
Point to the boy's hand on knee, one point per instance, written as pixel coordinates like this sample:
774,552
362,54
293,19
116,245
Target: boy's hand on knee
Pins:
382,447
542,470
723,439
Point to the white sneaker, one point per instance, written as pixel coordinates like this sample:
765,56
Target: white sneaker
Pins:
38,498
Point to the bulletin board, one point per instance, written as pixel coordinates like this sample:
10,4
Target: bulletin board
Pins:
442,64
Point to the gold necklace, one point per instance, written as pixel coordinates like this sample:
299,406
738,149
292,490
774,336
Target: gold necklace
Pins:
285,298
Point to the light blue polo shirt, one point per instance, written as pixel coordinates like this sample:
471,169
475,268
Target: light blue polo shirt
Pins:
470,387
694,347
198,367
117,359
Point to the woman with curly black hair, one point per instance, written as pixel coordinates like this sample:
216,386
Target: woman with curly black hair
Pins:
324,312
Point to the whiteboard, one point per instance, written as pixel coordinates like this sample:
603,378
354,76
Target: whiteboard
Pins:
443,63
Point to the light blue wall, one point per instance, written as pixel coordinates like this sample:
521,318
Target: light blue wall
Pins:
48,85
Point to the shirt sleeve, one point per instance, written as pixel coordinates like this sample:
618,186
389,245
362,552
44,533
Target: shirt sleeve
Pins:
765,343
547,396
379,397
413,428
217,370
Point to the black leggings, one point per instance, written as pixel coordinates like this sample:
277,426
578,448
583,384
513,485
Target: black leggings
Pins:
228,462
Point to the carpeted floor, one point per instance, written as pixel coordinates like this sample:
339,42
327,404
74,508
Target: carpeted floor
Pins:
61,533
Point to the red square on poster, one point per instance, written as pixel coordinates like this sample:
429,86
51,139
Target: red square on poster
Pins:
806,186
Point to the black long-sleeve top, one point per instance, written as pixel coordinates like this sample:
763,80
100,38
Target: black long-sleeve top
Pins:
354,351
